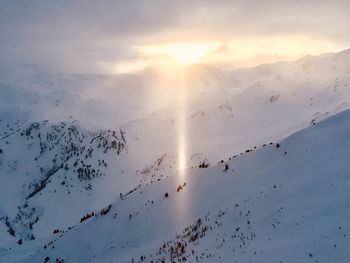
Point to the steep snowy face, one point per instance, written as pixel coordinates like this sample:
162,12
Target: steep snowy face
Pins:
285,201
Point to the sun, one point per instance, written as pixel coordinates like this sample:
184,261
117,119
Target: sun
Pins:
179,53
186,54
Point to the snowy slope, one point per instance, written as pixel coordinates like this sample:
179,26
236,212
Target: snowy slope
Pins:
51,169
283,202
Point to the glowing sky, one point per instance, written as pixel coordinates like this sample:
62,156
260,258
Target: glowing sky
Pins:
131,35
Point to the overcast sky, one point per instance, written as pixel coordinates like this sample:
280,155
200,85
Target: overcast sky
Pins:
109,36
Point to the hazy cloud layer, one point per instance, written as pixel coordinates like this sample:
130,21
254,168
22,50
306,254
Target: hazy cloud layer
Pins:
81,35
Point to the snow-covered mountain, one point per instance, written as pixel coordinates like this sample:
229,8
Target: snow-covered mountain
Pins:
72,145
282,202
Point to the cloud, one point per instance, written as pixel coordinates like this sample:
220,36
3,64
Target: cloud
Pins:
79,35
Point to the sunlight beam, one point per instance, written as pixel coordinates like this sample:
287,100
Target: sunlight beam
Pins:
181,129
